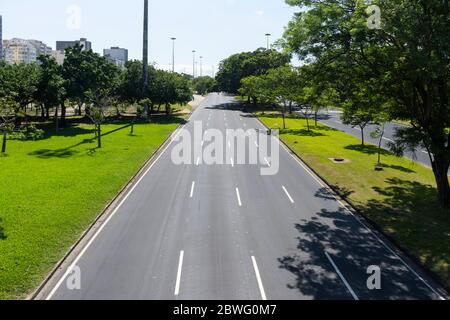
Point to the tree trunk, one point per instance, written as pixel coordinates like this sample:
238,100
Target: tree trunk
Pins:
99,136
57,118
42,112
363,142
440,170
4,142
315,118
63,114
307,123
290,107
47,113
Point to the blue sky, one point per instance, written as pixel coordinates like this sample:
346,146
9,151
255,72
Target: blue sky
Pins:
215,28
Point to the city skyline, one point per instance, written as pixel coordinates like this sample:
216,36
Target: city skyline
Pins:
122,27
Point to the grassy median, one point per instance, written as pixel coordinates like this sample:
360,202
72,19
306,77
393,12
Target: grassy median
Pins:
401,198
52,189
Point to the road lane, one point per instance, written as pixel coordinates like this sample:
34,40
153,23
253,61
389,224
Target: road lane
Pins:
201,230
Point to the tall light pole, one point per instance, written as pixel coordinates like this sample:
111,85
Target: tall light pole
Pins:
193,64
268,40
173,54
201,66
145,50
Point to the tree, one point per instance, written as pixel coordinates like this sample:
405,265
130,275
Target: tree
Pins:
7,119
406,59
105,82
238,66
51,86
19,82
204,85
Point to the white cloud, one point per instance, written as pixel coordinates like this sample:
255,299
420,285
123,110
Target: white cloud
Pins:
260,13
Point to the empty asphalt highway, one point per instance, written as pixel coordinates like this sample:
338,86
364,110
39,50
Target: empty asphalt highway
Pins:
202,232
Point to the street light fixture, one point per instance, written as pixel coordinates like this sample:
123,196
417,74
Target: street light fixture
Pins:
268,40
173,54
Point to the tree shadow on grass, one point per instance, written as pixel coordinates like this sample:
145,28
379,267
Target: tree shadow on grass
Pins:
323,193
302,132
367,149
2,231
68,151
403,196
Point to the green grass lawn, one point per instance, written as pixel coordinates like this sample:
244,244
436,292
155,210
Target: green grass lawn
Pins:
401,199
52,189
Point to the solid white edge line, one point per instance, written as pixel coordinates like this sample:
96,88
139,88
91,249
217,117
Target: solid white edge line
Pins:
258,279
238,197
180,268
99,230
342,277
192,189
440,297
267,161
287,193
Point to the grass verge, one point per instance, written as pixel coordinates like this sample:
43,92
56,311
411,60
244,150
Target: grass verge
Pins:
401,198
52,189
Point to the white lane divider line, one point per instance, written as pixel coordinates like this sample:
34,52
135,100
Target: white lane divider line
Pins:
258,278
198,161
342,277
192,189
267,161
180,268
387,139
229,144
256,144
238,197
287,193
232,162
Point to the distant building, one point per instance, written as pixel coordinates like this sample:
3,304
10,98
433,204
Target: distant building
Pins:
59,56
63,45
116,55
24,51
1,38
41,48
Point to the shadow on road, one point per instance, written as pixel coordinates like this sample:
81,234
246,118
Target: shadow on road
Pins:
353,249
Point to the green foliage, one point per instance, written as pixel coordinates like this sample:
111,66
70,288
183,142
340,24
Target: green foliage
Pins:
204,85
27,133
401,68
233,69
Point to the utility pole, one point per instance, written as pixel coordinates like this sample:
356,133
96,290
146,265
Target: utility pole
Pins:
201,66
193,64
145,54
173,54
145,46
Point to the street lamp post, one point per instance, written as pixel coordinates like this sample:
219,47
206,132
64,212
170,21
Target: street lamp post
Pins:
193,64
201,66
173,54
268,40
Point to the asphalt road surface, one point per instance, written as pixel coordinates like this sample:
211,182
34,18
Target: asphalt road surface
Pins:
333,120
206,232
